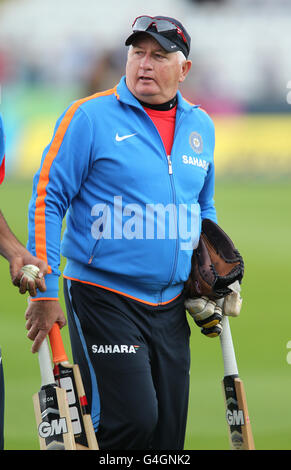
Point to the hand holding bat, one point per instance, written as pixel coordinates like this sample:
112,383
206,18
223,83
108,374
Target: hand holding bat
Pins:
68,377
51,408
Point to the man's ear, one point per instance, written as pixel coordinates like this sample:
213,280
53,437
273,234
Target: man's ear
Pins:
186,66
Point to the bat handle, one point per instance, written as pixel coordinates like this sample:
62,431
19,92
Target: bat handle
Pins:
57,345
228,354
44,358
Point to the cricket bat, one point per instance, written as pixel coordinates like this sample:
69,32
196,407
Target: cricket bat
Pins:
51,408
68,377
237,416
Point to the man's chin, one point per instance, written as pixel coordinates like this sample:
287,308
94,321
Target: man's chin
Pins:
147,89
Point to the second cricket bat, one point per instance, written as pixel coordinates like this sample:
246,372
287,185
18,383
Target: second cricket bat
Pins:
68,377
51,408
237,416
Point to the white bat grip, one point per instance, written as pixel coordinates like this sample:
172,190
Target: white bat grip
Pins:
228,354
47,376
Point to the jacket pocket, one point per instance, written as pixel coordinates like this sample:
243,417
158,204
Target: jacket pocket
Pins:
100,229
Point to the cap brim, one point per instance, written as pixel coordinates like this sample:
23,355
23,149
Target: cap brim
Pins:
169,46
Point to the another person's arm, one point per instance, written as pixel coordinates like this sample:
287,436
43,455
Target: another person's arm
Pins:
18,256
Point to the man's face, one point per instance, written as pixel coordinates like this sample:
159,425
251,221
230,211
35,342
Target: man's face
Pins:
152,74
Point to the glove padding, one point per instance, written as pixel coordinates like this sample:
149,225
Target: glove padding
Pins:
216,264
206,314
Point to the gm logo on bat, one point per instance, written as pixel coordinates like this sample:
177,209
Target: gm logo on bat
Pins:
54,428
235,418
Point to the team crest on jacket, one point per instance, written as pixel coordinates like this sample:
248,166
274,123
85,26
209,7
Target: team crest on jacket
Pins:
196,142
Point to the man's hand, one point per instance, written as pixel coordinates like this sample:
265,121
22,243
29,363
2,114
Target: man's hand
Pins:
18,256
16,264
207,314
40,317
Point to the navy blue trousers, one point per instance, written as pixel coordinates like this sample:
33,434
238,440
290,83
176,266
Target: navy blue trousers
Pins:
135,361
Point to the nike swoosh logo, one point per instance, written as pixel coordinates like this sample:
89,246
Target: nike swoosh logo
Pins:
119,139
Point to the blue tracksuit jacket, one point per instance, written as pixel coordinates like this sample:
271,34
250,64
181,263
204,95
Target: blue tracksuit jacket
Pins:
133,212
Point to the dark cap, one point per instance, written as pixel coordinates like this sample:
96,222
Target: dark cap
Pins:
168,32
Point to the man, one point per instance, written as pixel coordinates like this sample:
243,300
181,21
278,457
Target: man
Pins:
17,256
134,168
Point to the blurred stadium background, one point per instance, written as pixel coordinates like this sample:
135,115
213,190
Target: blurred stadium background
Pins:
52,53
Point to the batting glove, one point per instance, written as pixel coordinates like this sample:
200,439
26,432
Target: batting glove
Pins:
232,304
207,314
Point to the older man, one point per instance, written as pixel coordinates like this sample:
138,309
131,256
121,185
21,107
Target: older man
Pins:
133,166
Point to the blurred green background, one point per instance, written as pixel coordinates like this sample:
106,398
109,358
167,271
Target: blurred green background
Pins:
52,53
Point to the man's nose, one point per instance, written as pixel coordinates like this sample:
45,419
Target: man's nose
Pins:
146,62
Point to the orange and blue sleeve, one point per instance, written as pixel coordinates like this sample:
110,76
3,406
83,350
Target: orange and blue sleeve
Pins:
64,166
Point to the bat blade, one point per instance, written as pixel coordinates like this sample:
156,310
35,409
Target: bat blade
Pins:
51,409
237,416
68,377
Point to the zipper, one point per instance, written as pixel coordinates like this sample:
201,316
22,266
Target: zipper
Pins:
170,172
170,168
93,251
98,239
170,164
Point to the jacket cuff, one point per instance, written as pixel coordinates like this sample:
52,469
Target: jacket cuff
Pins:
52,289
